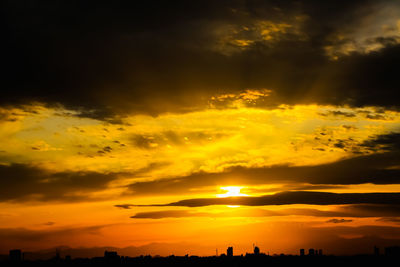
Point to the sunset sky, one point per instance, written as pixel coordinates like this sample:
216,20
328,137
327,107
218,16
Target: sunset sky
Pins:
182,127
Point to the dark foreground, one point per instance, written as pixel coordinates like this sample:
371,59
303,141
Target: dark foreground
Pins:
192,261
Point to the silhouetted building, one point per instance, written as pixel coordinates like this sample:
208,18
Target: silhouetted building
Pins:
376,251
302,252
111,256
256,250
58,257
68,257
229,252
320,252
392,251
311,252
15,255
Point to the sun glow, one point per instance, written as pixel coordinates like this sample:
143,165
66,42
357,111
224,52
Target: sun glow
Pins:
231,191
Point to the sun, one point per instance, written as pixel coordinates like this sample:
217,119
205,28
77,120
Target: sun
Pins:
231,191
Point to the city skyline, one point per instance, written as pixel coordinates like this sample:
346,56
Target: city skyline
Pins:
110,254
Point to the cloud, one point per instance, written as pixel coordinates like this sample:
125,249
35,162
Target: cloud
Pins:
352,211
152,141
124,206
288,198
168,214
21,182
386,212
389,219
387,142
377,28
237,213
369,210
173,57
339,113
375,168
338,221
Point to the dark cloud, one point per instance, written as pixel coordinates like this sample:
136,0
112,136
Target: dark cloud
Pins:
351,211
386,212
291,197
387,142
111,58
374,168
338,221
389,219
6,116
123,206
340,143
23,183
369,210
145,142
290,187
105,150
240,213
152,141
167,214
339,113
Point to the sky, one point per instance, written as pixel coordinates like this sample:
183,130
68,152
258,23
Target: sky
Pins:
182,127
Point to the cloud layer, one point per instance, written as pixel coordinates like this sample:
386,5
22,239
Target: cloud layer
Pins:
23,182
386,212
288,198
157,57
364,169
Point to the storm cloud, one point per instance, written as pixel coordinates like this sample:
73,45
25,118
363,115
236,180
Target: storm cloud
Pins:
114,58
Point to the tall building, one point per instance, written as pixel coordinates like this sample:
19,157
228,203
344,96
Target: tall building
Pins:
58,257
256,250
111,256
392,251
311,252
229,252
376,251
15,255
302,252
